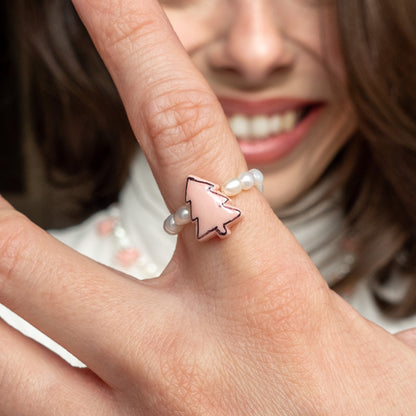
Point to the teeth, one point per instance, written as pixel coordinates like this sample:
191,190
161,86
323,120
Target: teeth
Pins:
289,120
276,124
240,125
262,126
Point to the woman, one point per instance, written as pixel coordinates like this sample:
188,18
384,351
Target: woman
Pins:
228,327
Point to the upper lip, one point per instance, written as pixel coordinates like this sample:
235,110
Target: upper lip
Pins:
233,106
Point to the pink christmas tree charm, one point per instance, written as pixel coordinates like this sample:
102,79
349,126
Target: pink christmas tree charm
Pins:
209,209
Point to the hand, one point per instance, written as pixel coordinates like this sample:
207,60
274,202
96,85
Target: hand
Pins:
244,326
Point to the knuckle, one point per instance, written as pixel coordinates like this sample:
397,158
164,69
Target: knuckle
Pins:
11,374
15,234
180,123
285,302
124,34
128,23
187,372
178,362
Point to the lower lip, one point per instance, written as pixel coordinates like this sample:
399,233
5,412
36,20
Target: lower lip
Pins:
263,152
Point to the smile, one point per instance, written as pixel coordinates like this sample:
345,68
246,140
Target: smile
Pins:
259,127
269,130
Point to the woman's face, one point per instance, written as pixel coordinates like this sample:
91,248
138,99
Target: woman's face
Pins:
276,68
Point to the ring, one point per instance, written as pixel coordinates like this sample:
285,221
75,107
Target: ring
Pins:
207,204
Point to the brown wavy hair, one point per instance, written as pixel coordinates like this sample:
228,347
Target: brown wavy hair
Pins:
378,39
80,126
70,104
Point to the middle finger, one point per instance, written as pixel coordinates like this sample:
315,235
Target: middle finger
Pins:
183,130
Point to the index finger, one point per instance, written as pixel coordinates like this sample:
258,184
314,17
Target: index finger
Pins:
174,114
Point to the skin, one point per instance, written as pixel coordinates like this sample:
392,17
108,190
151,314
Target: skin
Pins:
254,50
226,329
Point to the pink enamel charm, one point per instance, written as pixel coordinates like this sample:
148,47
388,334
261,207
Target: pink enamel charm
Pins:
127,256
106,227
209,209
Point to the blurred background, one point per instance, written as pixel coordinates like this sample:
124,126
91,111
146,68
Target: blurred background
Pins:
22,180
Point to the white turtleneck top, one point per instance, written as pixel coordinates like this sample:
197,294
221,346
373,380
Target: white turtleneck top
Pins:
129,236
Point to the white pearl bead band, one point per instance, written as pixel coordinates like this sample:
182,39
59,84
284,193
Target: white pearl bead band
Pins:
174,223
244,182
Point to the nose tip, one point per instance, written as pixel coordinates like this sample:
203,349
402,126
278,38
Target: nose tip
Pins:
254,46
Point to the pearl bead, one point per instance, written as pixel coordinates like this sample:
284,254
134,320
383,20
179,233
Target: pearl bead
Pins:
258,178
151,269
257,175
119,232
182,216
171,227
247,180
232,187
